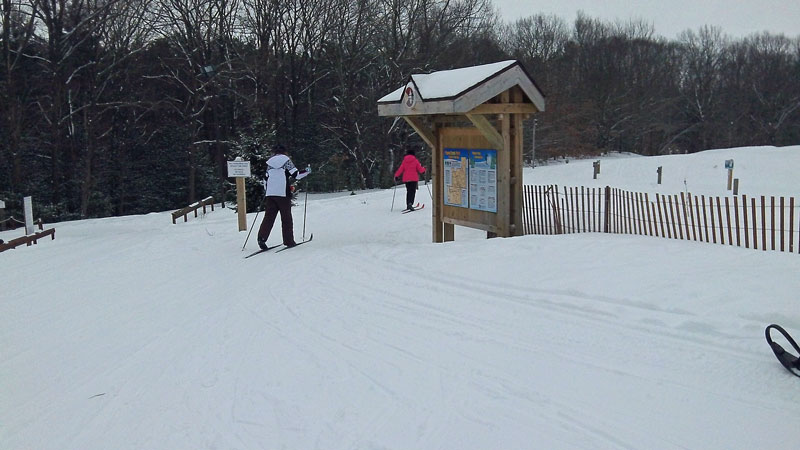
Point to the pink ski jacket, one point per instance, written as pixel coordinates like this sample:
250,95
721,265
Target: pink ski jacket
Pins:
410,168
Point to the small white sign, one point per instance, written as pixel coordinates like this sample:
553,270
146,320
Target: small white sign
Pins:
238,168
729,164
2,204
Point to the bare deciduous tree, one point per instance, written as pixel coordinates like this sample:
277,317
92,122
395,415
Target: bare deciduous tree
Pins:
198,33
16,31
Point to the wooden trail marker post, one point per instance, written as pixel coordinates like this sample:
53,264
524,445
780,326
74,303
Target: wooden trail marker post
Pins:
659,174
729,166
240,170
472,119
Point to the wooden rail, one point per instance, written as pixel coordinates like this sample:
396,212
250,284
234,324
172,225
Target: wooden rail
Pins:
28,240
193,208
761,222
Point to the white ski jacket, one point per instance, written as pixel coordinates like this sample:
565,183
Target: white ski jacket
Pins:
279,169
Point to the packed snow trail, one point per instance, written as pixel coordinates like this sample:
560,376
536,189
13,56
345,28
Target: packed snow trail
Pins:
134,333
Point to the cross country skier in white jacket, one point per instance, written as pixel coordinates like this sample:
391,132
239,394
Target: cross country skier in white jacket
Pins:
280,171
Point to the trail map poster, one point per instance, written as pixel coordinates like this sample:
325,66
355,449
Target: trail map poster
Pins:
456,165
483,180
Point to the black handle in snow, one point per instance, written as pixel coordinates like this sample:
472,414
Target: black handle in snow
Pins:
791,362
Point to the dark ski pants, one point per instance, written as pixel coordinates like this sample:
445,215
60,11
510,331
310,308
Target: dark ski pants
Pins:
272,206
411,192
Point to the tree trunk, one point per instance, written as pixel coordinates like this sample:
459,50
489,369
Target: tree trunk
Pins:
86,186
192,175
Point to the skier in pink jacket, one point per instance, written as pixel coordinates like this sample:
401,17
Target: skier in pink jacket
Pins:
410,169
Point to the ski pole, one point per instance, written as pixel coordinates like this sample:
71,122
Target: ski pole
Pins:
393,193
428,186
251,229
305,207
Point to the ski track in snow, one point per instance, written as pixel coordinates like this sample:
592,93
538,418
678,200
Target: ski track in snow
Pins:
558,316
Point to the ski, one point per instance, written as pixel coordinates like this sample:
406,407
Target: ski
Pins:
262,250
408,210
298,244
417,207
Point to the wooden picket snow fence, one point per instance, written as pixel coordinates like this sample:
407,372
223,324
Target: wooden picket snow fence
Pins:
761,223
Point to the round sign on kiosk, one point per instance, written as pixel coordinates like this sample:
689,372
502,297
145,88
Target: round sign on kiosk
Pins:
411,98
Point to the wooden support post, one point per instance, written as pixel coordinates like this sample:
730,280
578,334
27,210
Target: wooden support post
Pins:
437,175
241,203
423,131
495,138
449,232
729,166
505,172
238,169
516,171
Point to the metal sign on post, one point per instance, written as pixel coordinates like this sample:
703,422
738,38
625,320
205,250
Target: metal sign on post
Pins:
240,170
729,164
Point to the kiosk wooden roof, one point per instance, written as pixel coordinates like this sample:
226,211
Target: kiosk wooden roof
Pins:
459,91
479,107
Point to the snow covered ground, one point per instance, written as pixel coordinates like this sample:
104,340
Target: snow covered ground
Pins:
134,333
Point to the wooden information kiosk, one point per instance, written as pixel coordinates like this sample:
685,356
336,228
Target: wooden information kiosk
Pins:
472,120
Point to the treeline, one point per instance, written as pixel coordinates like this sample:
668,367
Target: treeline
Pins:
111,107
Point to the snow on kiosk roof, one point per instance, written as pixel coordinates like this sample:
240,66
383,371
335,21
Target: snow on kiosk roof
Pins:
472,119
459,91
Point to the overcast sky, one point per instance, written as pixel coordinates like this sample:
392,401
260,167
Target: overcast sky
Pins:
737,18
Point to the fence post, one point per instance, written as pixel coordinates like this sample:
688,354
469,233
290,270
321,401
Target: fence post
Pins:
735,186
607,212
